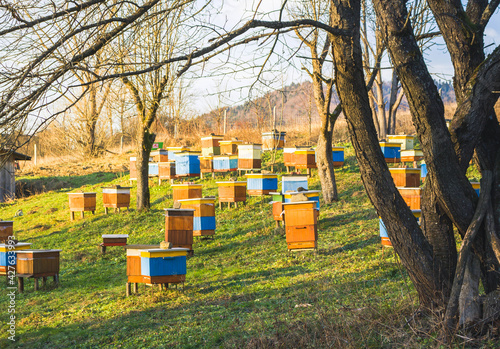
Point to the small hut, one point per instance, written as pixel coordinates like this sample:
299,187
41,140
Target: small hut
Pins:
7,173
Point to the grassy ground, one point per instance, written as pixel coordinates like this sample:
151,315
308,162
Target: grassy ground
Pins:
243,288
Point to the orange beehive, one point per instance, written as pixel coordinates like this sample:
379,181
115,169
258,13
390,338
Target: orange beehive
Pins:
186,191
81,202
166,170
405,177
36,264
160,155
232,191
133,169
115,197
411,196
229,147
206,164
288,156
301,227
277,211
204,215
304,158
6,230
134,262
179,227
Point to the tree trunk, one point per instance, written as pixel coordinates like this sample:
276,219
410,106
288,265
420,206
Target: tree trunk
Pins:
144,143
406,237
324,159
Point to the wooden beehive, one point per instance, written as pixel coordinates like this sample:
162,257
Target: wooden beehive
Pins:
312,195
114,239
210,145
116,197
82,202
412,196
161,266
232,191
406,141
187,164
423,171
133,169
186,191
206,164
153,169
304,158
277,211
273,139
8,255
261,184
411,155
338,156
225,163
179,227
204,215
249,156
6,230
229,147
405,177
166,170
173,151
301,226
288,156
391,151
134,262
160,155
477,187
37,263
293,182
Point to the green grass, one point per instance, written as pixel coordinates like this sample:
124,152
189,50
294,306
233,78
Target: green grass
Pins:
243,288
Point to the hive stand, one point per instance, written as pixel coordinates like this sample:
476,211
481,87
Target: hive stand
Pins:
113,240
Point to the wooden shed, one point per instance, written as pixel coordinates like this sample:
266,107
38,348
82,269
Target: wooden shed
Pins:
7,173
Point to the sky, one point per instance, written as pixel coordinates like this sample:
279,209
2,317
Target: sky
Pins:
215,91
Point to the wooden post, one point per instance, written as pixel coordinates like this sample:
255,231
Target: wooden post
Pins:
36,284
136,287
20,284
44,281
103,249
82,214
72,215
127,289
105,210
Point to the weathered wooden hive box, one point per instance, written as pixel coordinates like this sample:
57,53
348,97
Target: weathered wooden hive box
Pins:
160,266
312,195
261,183
411,155
179,227
405,177
7,258
338,156
114,239
133,169
384,237
229,147
173,151
273,139
134,262
38,263
277,200
225,163
6,230
293,182
206,164
301,225
232,191
391,151
288,156
116,197
406,141
82,201
160,155
412,196
477,187
204,215
249,156
186,191
187,164
166,170
210,145
305,158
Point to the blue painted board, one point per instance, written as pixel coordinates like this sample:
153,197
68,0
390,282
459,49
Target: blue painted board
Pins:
187,165
262,184
162,266
153,169
204,223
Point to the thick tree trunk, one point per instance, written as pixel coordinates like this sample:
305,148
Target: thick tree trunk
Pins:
144,143
402,227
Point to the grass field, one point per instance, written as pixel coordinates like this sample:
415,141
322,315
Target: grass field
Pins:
243,289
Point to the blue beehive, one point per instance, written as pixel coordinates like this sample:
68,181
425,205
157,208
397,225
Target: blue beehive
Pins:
423,170
163,262
225,163
261,184
153,169
338,156
391,151
187,164
5,261
293,182
174,151
477,187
